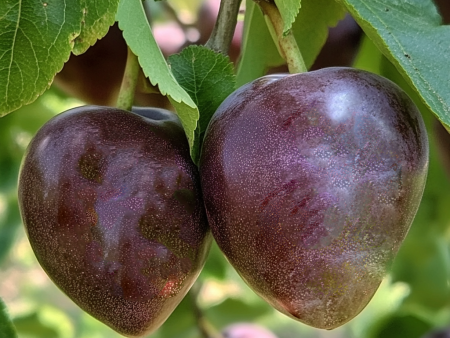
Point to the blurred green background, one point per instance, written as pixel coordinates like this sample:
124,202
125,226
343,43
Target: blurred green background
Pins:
412,300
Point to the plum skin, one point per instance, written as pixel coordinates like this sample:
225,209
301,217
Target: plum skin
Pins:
112,206
310,184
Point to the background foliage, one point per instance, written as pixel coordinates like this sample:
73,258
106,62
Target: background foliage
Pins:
412,300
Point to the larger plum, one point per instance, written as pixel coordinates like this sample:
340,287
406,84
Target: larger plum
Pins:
311,183
112,207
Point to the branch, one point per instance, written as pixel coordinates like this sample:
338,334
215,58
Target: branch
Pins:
207,330
222,34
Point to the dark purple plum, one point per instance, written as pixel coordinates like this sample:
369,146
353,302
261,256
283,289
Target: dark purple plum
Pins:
112,206
249,89
310,184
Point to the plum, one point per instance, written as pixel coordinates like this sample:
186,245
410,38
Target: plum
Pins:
112,206
95,76
310,183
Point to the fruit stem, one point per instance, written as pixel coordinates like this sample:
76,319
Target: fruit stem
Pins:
287,44
222,34
129,82
207,330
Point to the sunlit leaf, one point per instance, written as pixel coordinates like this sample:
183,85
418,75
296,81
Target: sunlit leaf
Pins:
288,10
98,16
36,39
208,77
7,329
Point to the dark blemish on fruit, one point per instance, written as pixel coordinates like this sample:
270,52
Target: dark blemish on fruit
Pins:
186,198
90,165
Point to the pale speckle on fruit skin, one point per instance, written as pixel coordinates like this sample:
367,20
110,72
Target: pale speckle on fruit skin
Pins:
310,184
111,204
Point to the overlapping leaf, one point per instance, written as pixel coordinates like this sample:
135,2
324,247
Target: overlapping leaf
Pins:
289,10
136,29
208,77
98,16
37,37
6,326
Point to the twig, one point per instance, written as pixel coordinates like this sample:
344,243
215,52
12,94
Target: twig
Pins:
207,330
129,82
222,34
286,43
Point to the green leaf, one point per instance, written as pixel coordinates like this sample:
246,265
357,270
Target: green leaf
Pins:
44,322
312,25
8,226
410,35
136,29
181,323
288,10
208,77
259,52
369,57
216,264
32,325
15,132
36,39
236,310
310,29
98,16
6,326
400,325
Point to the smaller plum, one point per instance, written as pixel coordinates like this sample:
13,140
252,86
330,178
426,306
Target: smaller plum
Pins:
111,204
